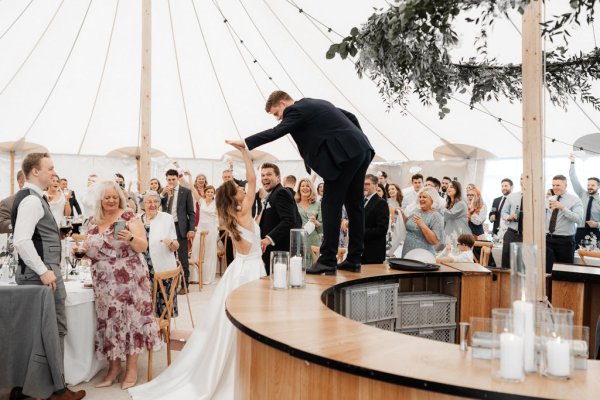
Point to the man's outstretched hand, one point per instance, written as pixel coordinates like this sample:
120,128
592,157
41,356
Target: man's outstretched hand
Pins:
238,144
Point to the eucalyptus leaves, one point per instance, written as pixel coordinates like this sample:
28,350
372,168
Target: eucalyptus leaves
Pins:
404,49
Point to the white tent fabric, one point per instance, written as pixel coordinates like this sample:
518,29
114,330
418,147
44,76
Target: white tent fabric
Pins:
53,58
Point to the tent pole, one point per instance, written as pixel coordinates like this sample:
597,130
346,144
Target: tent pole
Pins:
145,93
533,139
12,172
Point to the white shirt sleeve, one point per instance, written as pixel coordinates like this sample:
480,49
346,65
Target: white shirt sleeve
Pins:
30,213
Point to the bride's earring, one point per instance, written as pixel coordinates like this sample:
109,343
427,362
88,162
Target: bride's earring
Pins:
238,207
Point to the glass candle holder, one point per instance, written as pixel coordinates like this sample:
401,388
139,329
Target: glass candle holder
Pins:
523,288
279,269
507,347
299,257
556,343
581,346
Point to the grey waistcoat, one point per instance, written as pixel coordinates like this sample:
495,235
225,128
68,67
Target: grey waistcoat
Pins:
46,237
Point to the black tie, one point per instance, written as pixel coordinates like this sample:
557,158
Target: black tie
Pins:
588,212
501,205
366,200
553,218
520,218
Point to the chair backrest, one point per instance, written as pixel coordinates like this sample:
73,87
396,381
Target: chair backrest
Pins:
587,253
340,254
486,249
203,245
158,284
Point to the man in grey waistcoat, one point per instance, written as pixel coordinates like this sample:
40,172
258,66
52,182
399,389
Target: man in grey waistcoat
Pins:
37,241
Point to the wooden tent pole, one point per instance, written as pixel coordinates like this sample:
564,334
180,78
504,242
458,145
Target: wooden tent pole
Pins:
12,172
146,98
533,139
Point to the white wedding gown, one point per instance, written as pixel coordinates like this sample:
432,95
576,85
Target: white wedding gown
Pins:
206,367
210,222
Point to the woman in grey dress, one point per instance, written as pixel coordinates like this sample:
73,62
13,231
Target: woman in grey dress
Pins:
456,213
425,227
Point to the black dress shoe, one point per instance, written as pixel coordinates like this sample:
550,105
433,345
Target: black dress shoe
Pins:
320,269
348,266
17,394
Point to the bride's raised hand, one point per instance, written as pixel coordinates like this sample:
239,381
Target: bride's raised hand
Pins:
238,144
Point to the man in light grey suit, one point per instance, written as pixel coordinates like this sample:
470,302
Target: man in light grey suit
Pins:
37,240
6,206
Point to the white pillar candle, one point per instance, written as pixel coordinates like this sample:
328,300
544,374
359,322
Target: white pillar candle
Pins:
511,356
524,326
296,271
279,276
558,357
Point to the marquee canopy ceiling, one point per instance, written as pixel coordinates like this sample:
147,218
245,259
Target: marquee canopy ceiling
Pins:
70,78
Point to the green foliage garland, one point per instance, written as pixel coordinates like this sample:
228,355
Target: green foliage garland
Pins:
405,49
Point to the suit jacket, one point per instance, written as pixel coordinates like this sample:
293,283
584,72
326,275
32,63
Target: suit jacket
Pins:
326,136
496,213
5,213
74,203
279,215
377,219
186,214
29,341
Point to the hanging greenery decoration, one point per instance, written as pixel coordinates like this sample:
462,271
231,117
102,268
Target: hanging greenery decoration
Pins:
405,50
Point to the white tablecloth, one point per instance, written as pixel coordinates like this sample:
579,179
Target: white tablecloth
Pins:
81,363
497,254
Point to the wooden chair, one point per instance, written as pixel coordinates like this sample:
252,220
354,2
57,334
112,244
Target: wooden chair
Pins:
587,253
200,261
222,253
486,250
164,320
340,254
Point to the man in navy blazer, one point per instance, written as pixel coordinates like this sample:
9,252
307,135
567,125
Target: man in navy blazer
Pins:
332,144
178,201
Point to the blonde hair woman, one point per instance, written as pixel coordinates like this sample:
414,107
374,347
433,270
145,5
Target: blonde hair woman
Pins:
310,212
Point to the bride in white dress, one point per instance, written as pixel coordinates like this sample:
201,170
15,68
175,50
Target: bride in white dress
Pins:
208,221
206,367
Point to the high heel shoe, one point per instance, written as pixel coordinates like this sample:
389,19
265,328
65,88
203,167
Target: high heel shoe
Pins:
127,384
107,383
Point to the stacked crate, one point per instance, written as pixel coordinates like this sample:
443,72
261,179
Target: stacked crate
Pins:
372,304
427,315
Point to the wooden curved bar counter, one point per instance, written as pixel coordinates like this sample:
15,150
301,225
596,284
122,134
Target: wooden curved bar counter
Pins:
292,346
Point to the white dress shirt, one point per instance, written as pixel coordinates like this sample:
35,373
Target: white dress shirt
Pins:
174,207
30,213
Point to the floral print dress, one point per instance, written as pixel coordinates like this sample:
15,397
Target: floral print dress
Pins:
125,319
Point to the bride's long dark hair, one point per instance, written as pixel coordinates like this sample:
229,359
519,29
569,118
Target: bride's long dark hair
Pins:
227,208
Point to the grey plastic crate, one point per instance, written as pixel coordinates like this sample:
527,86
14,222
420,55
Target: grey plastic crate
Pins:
424,310
385,324
369,303
441,334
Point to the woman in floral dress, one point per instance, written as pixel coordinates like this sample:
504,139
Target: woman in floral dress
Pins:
126,325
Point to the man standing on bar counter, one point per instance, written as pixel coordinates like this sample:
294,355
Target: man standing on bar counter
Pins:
563,215
332,144
37,240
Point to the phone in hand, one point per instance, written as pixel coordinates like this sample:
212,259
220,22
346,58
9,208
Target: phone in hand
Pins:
119,226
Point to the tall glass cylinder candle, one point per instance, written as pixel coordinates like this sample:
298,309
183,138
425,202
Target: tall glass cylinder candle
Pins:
556,349
299,257
523,287
279,269
507,347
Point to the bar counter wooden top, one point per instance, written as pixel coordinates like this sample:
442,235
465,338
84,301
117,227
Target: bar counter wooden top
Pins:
298,325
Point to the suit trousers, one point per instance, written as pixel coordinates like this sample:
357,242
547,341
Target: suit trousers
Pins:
30,277
559,249
346,190
182,253
511,236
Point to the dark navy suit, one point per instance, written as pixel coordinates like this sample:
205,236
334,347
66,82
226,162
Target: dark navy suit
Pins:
332,144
